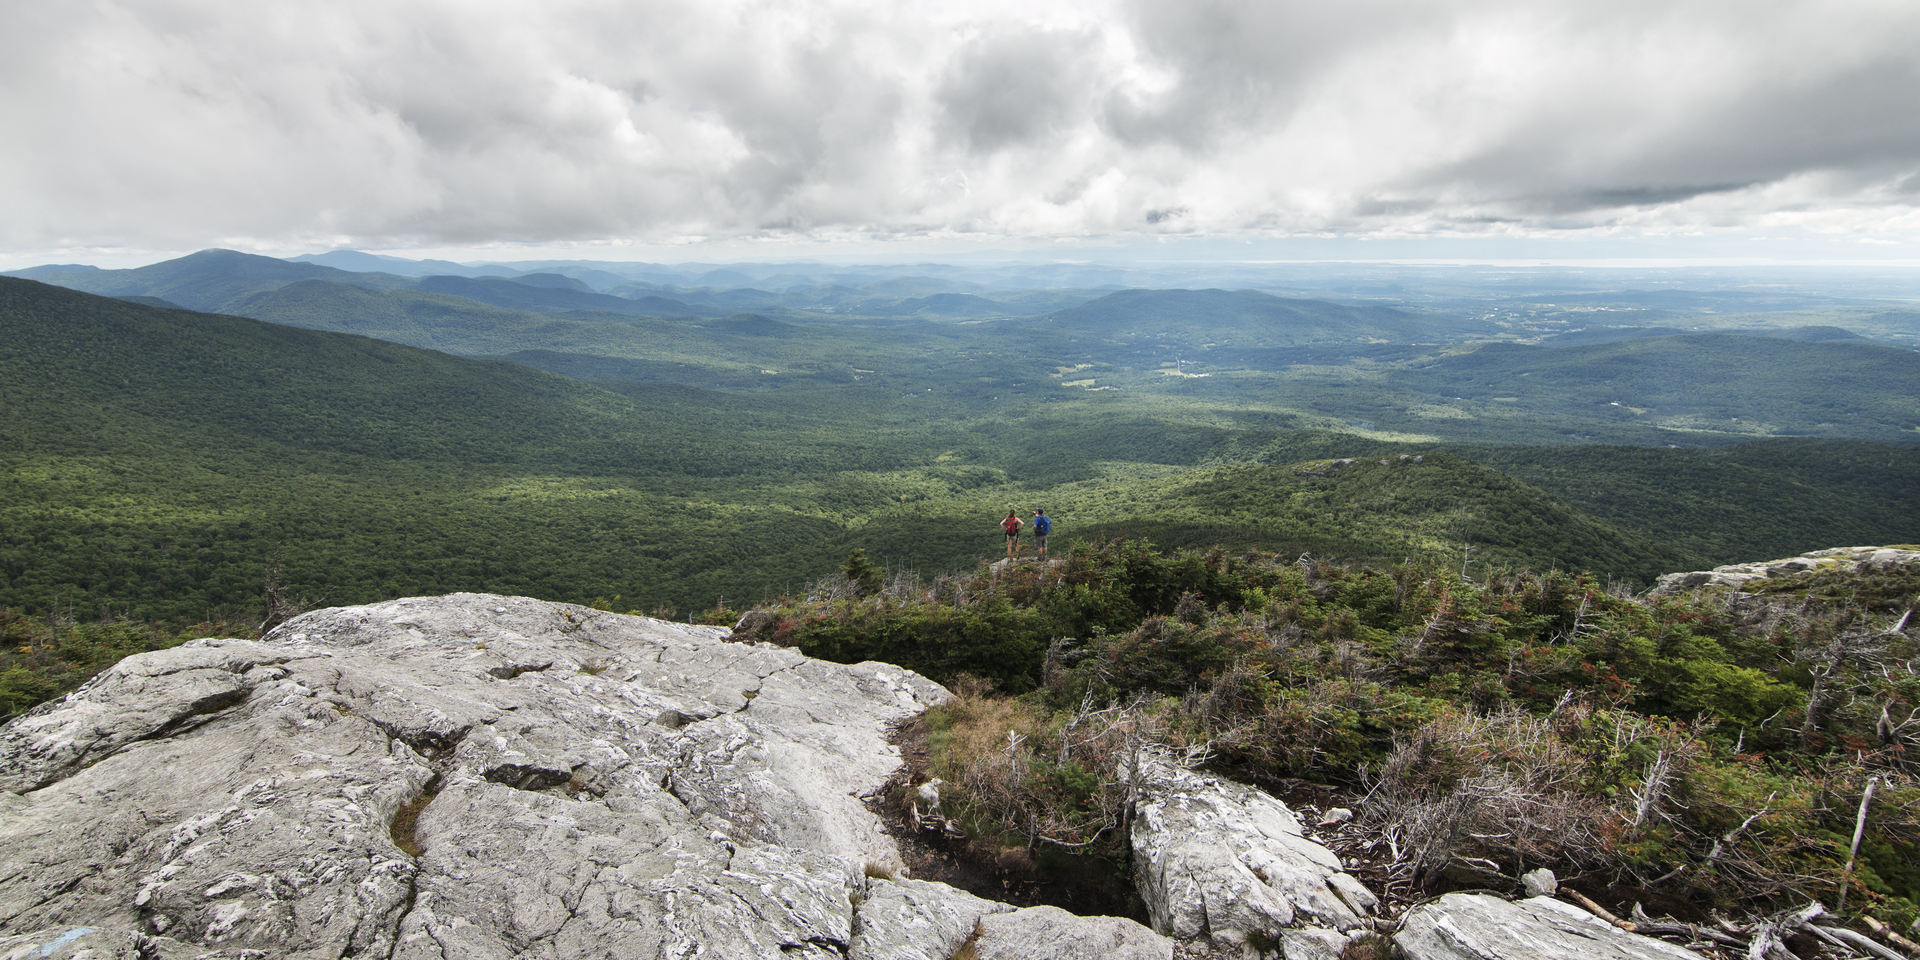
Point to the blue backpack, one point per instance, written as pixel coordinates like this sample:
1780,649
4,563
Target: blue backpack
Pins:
1041,525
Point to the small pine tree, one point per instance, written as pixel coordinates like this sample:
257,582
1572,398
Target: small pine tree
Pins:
862,575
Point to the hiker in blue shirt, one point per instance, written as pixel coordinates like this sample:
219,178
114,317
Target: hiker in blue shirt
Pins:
1041,527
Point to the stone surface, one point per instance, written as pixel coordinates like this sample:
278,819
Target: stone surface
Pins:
1737,575
110,942
1476,926
915,920
480,777
1050,933
1219,859
1312,943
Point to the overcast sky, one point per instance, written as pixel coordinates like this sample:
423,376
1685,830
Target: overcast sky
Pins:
673,130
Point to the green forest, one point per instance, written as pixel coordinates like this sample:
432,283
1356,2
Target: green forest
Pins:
154,460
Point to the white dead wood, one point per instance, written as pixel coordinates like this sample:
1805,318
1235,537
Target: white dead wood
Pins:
1719,845
1891,935
1841,936
1859,831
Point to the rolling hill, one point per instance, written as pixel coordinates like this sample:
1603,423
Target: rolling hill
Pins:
211,280
518,293
152,459
1427,505
1725,383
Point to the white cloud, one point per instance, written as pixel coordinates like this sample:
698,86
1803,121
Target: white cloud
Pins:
413,122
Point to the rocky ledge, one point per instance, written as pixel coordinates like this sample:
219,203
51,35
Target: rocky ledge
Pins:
1738,575
476,776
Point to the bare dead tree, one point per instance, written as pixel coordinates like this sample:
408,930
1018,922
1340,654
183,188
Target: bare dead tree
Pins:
280,606
1653,788
1849,645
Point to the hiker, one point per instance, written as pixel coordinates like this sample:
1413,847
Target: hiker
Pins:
1041,527
1012,526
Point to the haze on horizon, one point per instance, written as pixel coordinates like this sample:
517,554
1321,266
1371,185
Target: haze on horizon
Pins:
752,128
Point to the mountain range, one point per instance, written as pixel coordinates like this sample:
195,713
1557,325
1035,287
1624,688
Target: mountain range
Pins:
156,459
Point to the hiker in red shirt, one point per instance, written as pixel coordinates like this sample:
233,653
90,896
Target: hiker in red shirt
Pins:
1012,526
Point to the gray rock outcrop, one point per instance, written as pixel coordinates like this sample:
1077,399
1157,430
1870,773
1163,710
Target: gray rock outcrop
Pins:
1055,934
1226,861
1738,575
1476,926
471,776
915,920
1312,943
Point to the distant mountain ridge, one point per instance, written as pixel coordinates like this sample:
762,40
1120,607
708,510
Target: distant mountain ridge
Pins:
1239,319
226,281
1610,334
1689,301
355,261
215,281
537,293
1413,372
954,305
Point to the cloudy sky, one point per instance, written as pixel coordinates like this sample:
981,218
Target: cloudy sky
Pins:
631,129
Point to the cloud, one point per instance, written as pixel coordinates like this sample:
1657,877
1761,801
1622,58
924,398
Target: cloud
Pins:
431,122
1014,88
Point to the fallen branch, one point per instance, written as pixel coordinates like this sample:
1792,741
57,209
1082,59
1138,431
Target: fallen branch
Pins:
1889,933
1599,911
1688,930
1767,945
1769,938
1066,845
1841,937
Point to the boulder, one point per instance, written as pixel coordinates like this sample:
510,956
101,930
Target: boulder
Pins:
1050,933
1312,943
1223,860
916,920
1478,926
1890,558
1700,580
470,776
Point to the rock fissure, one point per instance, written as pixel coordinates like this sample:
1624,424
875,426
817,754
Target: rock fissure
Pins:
512,670
431,745
198,712
400,916
405,826
528,777
57,892
836,946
